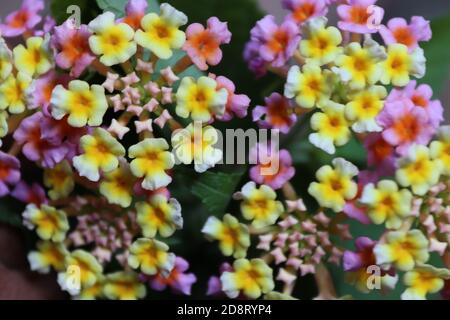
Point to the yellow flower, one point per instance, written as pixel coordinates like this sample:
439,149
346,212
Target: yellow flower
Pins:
335,185
401,63
364,107
259,204
418,171
6,60
117,186
233,237
361,277
123,285
160,33
113,42
440,149
200,99
3,125
36,58
151,256
83,104
251,277
151,161
386,203
195,143
60,180
320,43
360,66
403,249
50,224
159,215
82,271
311,87
93,292
13,92
332,127
100,152
48,255
423,280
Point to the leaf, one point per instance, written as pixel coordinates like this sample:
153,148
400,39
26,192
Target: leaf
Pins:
58,9
216,188
437,54
118,6
9,215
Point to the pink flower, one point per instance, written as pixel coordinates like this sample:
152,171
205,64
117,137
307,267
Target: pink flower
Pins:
420,96
178,280
48,25
398,31
356,16
203,45
404,125
9,172
276,114
363,257
302,10
256,63
134,12
380,154
22,20
73,48
43,88
267,157
237,104
353,209
29,193
214,284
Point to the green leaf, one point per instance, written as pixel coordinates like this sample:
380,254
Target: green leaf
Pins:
9,214
118,6
437,54
216,188
58,9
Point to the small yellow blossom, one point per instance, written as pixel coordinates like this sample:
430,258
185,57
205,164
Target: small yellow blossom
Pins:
100,152
6,60
311,87
403,249
151,161
401,63
13,92
36,58
386,203
195,143
200,99
159,215
4,127
259,204
335,185
83,104
151,256
113,42
160,33
60,180
440,149
50,224
251,277
332,127
48,255
233,237
117,186
123,286
93,292
418,171
320,43
423,280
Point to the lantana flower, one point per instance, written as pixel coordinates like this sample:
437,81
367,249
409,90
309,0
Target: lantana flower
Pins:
123,285
6,60
9,172
151,256
335,184
60,180
251,277
259,204
22,20
386,203
418,171
50,223
49,255
151,162
117,185
160,33
36,58
422,280
302,10
100,153
403,249
39,93
113,42
311,86
203,45
320,43
355,16
200,99
134,12
440,149
159,215
13,93
237,104
196,144
398,30
82,103
331,126
233,237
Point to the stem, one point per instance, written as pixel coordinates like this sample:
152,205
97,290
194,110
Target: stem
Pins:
101,68
324,283
182,64
289,192
15,149
127,67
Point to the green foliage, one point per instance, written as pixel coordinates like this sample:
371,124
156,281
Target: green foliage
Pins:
88,9
9,214
118,6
